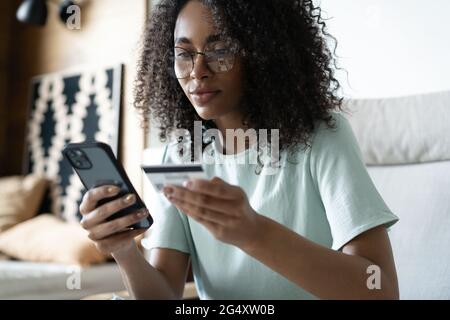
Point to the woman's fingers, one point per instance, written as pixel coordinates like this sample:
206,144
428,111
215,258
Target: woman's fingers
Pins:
201,213
200,200
103,212
115,235
92,196
106,229
215,187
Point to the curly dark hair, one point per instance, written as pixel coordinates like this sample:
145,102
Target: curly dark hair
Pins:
288,67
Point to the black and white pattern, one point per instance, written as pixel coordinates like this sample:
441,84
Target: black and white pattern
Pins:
66,108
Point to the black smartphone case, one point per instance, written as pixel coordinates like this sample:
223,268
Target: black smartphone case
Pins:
104,169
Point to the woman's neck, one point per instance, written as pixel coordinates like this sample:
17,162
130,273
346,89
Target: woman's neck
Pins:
234,122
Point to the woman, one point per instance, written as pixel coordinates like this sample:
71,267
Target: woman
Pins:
314,228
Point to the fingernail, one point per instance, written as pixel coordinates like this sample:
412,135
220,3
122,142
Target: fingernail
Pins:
168,190
129,198
187,184
113,189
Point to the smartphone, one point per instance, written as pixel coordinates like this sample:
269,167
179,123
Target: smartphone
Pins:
96,165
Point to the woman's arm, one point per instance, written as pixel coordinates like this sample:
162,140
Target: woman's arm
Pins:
225,211
326,273
163,278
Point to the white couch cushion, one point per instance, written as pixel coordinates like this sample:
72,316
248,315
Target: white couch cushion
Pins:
419,195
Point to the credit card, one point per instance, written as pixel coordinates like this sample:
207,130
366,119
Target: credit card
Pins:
175,174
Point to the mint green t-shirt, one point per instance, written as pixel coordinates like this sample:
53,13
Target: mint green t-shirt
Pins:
323,193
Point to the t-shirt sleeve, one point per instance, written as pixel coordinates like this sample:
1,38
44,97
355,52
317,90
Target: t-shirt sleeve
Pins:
351,200
170,230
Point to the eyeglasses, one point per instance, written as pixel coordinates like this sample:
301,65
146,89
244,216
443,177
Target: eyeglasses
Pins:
219,57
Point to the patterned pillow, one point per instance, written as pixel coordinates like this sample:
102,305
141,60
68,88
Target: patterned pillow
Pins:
70,107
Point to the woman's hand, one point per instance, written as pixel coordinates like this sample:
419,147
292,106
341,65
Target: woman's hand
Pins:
222,208
110,237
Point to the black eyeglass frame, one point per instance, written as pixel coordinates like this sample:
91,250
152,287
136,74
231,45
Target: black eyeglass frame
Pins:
234,48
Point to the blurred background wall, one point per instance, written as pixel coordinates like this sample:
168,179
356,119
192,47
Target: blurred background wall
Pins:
391,47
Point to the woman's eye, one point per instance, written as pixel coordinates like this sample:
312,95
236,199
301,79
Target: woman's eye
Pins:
183,55
221,52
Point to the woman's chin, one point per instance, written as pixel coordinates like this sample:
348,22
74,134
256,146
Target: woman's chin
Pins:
206,112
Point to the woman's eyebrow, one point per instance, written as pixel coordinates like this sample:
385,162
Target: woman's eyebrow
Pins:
182,40
213,38
209,39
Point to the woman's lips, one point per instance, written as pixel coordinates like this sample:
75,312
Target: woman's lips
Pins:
204,97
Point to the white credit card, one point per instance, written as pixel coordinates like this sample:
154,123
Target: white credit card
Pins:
175,174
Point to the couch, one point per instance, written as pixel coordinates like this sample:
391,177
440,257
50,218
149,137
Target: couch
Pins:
55,281
405,143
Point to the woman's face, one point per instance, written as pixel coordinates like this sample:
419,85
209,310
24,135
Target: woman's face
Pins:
214,95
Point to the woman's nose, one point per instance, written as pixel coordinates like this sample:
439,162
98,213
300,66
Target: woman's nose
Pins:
201,69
